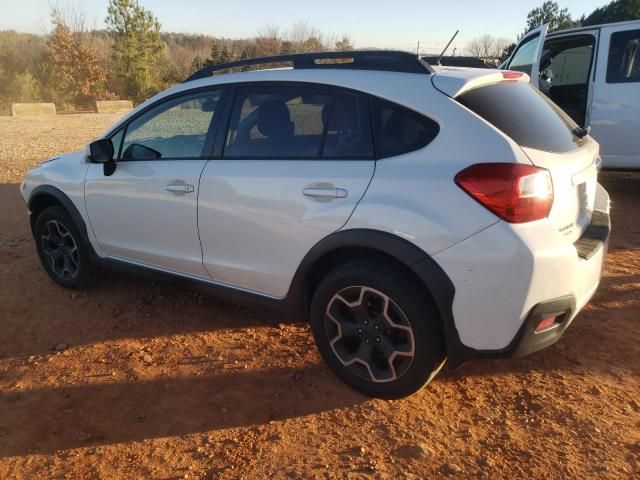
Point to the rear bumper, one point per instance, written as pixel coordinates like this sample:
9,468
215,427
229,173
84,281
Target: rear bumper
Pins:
508,278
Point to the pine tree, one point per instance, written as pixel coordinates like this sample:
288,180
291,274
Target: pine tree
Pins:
214,56
137,46
616,11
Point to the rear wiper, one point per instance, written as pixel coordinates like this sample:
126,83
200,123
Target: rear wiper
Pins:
581,132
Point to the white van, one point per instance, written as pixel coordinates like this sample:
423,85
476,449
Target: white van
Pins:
593,73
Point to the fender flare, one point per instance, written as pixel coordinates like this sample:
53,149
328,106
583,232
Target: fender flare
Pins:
417,260
67,204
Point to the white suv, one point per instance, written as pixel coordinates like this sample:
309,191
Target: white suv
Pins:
411,213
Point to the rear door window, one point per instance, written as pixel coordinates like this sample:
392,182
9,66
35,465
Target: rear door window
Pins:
624,57
524,114
398,130
298,122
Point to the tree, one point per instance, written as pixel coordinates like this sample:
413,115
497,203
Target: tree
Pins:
344,44
78,75
487,48
269,41
137,46
226,55
214,56
506,53
616,11
551,13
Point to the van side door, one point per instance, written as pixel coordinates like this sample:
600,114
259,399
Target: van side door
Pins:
526,57
615,111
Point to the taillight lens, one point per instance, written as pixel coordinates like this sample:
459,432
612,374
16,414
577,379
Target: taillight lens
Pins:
515,192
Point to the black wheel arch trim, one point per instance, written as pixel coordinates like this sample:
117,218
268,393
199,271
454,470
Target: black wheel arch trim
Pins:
67,204
433,277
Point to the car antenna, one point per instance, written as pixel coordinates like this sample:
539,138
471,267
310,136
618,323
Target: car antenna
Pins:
447,47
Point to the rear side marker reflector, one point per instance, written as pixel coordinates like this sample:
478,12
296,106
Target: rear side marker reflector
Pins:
547,324
515,192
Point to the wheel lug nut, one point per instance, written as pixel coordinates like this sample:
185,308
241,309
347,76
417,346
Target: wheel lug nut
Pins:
376,327
366,322
367,341
359,330
378,339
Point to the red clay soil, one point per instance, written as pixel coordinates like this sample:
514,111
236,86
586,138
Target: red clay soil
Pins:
139,379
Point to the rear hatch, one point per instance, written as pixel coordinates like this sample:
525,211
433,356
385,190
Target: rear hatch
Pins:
548,137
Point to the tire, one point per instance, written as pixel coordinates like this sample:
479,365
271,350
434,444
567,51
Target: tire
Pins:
63,254
403,349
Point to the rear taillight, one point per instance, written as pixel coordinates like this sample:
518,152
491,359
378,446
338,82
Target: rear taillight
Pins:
515,192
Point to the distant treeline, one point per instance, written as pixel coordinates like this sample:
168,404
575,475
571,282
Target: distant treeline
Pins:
73,65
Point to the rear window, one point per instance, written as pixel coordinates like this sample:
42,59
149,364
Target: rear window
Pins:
525,115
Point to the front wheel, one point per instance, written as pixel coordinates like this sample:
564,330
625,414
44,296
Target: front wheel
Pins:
376,330
63,254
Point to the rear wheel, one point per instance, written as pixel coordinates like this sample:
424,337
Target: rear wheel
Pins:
376,330
63,254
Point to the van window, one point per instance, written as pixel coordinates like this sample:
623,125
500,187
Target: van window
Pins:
398,130
569,66
525,56
624,57
298,122
521,112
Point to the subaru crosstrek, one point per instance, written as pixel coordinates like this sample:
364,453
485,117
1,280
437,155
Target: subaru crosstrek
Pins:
411,213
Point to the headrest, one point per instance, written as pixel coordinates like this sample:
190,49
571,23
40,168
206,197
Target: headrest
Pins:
274,119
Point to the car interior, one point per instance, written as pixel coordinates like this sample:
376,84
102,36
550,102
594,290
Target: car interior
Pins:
293,125
564,73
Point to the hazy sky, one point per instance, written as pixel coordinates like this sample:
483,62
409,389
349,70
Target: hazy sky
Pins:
390,24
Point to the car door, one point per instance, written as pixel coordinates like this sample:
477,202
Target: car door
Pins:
526,57
296,160
615,110
146,211
565,68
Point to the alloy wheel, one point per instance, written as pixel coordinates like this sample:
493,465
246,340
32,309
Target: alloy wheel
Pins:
369,334
60,247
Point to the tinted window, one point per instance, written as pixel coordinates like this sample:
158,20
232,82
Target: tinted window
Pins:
174,129
525,115
297,122
348,132
624,57
569,66
398,130
525,56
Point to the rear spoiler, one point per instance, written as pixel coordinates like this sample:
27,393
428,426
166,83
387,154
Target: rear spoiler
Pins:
456,81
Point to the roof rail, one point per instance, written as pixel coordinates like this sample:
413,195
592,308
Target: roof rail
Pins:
384,60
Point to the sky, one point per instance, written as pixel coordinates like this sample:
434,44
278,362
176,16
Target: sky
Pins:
398,24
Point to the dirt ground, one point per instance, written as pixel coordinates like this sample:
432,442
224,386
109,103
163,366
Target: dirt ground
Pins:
136,379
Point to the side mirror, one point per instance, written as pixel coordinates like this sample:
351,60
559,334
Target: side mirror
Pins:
101,151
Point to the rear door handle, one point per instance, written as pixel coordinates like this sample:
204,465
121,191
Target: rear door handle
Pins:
179,188
325,192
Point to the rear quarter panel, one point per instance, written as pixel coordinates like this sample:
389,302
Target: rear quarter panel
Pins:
414,195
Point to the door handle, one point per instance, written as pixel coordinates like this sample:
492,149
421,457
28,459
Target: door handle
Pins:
179,188
325,192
